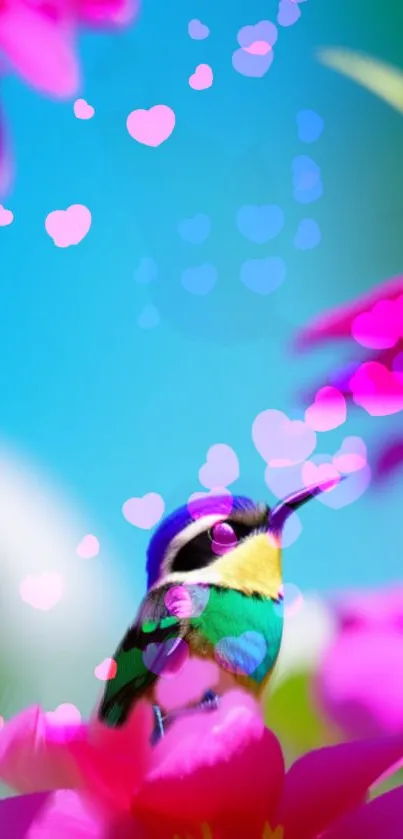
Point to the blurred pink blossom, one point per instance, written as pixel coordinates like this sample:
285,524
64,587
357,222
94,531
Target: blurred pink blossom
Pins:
38,43
338,323
223,770
359,682
373,378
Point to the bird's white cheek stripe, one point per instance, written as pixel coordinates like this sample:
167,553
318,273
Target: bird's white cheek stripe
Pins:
189,533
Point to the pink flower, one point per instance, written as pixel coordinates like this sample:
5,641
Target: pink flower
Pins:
359,681
38,42
340,322
373,379
218,775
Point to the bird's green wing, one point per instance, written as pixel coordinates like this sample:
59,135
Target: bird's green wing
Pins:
147,648
244,630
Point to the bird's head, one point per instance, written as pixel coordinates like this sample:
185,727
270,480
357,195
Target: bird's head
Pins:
224,540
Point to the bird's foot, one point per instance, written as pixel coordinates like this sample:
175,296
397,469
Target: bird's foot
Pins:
209,702
159,725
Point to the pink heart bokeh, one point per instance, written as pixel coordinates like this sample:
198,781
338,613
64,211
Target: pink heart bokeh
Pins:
145,511
82,110
328,411
42,592
281,441
202,78
151,127
68,227
106,670
6,216
88,547
221,467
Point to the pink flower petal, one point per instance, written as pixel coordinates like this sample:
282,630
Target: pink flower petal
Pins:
19,812
112,762
337,322
327,783
359,683
33,755
67,815
224,763
39,48
380,819
108,12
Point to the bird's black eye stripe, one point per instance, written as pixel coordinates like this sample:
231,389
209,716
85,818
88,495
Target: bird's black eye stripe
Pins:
199,552
194,554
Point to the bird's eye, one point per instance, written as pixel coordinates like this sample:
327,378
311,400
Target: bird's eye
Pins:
223,533
225,536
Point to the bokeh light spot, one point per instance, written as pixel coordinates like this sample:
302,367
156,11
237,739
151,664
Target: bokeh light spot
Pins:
166,659
377,389
288,13
292,530
42,592
256,54
346,492
243,654
106,670
259,224
307,183
351,456
328,411
185,601
292,601
6,216
199,280
202,78
263,276
149,317
68,227
195,230
145,511
198,30
151,127
199,503
82,110
65,713
313,474
310,126
380,327
88,547
308,235
276,437
221,467
147,271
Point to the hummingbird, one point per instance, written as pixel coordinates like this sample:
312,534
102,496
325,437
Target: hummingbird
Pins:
214,591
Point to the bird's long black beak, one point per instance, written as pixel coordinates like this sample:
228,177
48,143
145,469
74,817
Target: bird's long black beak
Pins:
284,509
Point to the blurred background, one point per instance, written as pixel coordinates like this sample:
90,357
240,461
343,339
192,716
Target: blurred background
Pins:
162,325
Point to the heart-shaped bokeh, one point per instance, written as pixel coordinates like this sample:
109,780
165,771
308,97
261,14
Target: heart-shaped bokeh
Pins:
145,511
221,467
242,654
281,441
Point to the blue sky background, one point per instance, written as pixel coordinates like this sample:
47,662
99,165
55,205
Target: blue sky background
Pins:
113,410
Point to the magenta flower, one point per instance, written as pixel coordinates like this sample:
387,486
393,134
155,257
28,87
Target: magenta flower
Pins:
341,322
359,681
38,43
214,776
373,378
